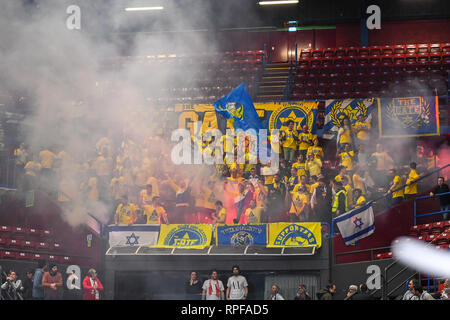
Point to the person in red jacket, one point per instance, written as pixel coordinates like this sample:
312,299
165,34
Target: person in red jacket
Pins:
91,286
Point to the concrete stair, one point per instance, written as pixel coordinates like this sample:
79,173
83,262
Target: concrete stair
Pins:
273,82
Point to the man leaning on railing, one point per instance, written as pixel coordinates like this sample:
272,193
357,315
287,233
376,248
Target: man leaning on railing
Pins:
445,199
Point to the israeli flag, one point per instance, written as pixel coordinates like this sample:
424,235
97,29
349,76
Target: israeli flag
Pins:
133,236
356,224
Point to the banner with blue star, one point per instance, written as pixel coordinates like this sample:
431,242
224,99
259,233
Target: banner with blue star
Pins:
133,236
185,236
356,224
241,235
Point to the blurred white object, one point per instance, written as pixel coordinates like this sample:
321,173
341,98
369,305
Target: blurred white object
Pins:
422,257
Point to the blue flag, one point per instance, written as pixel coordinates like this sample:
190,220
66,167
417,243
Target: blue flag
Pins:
241,235
238,107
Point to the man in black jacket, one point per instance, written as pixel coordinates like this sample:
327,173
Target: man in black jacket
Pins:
445,200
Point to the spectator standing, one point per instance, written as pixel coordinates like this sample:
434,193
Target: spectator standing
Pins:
237,287
321,201
213,288
38,289
305,141
347,157
275,293
290,141
397,196
12,286
420,293
313,165
340,199
125,212
444,200
345,133
383,162
302,294
194,287
362,129
411,190
20,160
52,283
155,212
92,286
28,286
352,290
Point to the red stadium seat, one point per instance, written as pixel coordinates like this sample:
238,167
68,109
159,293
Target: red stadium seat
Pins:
5,229
305,53
374,51
399,49
445,47
28,244
423,57
18,230
352,51
52,258
387,50
317,53
45,233
443,238
435,47
411,48
9,254
379,256
43,245
410,58
437,227
23,256
340,51
3,241
65,259
423,48
425,229
14,243
329,53
364,51
37,256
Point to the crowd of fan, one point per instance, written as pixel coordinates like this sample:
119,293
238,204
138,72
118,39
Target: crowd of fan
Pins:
138,182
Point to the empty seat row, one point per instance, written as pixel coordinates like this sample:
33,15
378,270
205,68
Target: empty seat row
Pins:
375,50
25,231
430,228
8,254
41,245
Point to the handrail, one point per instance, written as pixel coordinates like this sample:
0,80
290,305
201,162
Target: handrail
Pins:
428,214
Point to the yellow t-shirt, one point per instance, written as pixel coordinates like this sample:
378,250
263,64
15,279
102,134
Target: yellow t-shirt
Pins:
412,189
31,168
349,191
381,158
398,182
301,168
155,186
154,214
314,167
360,201
317,151
313,187
299,200
253,215
146,198
289,140
358,183
306,143
222,215
362,135
338,178
299,185
126,214
345,135
47,158
346,159
21,156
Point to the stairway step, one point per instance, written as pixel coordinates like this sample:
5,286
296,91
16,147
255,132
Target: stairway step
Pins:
280,64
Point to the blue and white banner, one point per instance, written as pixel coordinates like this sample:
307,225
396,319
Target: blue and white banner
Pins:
241,235
337,110
133,236
356,224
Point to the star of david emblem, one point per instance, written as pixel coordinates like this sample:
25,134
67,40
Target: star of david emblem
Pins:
292,116
358,223
132,240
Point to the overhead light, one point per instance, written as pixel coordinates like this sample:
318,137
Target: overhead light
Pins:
267,3
144,8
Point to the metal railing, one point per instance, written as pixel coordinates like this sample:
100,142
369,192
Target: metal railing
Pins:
385,196
428,214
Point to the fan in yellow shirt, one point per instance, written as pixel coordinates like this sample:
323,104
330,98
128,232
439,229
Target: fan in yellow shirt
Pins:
359,181
220,214
313,165
362,129
289,139
47,158
306,139
397,196
125,212
344,132
301,184
358,198
342,173
346,157
300,202
300,165
315,149
411,190
253,213
314,180
348,189
155,213
146,196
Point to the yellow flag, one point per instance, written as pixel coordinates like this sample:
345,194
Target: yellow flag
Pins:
285,234
185,236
